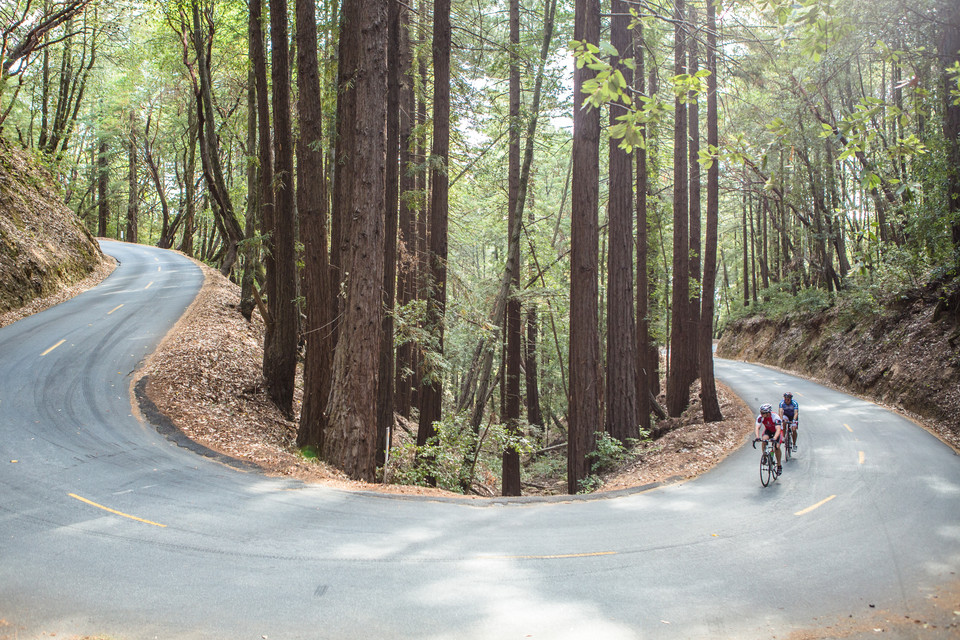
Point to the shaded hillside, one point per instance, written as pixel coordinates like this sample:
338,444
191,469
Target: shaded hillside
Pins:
43,245
907,355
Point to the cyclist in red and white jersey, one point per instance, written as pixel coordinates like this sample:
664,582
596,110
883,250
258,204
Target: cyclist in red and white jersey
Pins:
768,428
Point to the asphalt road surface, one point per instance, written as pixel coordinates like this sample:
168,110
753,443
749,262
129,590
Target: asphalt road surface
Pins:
108,528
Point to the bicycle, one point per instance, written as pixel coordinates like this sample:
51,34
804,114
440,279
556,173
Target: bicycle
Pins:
788,439
768,462
785,440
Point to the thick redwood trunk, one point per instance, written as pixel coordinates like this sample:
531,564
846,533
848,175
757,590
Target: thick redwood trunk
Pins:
431,390
683,333
621,387
318,293
350,440
584,400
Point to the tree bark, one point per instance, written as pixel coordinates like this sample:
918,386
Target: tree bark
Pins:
645,366
189,181
280,352
621,387
312,209
510,476
391,222
681,371
950,54
133,190
407,242
103,183
708,386
584,400
350,441
431,389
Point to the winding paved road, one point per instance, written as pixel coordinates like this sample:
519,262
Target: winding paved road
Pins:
108,528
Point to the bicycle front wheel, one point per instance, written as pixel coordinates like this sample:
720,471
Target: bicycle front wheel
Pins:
766,469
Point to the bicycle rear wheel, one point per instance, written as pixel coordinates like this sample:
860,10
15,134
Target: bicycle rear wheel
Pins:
786,446
766,469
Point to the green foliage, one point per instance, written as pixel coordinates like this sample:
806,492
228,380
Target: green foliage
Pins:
449,457
609,455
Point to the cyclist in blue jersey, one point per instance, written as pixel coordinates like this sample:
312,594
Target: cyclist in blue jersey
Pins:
790,412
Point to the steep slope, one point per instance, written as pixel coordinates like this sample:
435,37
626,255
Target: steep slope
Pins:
906,356
43,245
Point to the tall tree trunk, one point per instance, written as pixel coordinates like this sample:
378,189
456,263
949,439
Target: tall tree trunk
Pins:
683,334
708,386
746,250
133,191
584,400
949,56
621,387
646,367
312,210
280,353
265,198
391,222
407,248
350,440
693,166
189,181
510,476
431,389
250,252
511,459
103,183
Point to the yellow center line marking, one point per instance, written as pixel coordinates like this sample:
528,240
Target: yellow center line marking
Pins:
159,268
114,309
148,285
862,457
119,513
848,427
53,347
811,508
554,557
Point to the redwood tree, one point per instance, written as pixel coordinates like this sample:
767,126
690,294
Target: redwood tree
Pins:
584,401
708,387
350,440
312,210
621,387
280,350
431,389
682,370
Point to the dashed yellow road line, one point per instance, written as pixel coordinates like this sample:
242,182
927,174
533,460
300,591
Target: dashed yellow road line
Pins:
114,309
815,506
848,427
862,457
553,557
148,285
113,511
53,347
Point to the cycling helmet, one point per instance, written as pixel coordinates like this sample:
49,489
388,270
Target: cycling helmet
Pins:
788,395
766,408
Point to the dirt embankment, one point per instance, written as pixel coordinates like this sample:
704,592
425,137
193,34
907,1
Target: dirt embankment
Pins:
906,356
43,246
